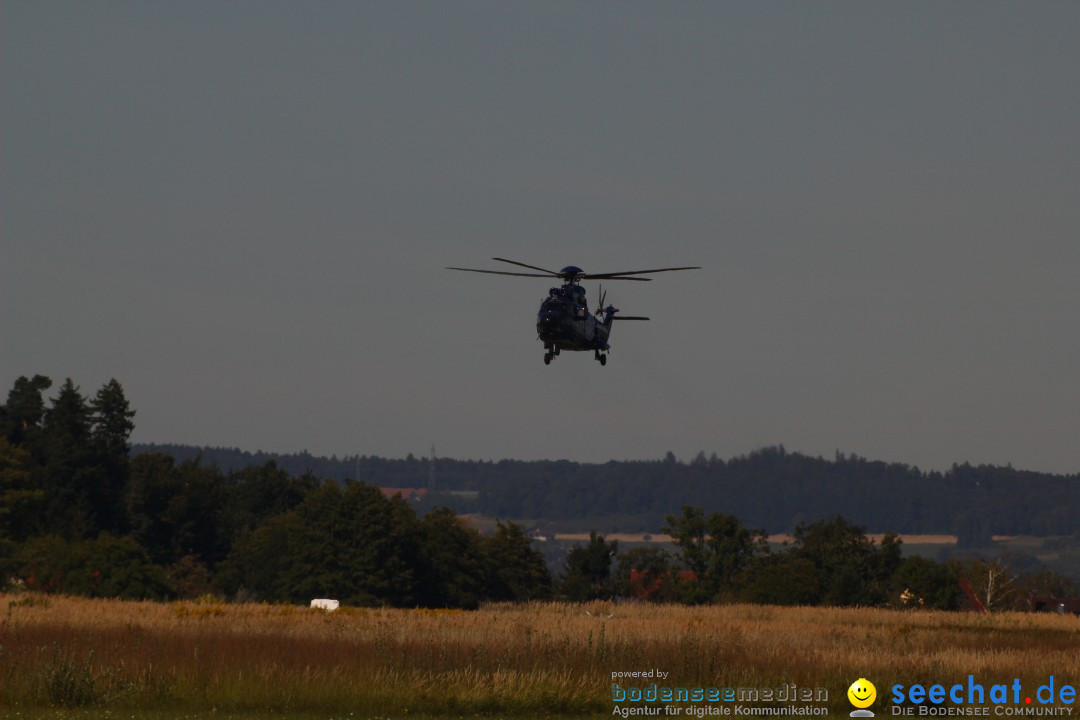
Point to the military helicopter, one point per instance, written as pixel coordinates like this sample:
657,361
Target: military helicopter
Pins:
564,321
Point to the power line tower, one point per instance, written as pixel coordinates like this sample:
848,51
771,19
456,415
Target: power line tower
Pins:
431,470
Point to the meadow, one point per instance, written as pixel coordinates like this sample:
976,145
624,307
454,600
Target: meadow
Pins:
65,657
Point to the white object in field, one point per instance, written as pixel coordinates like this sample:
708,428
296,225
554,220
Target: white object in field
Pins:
325,604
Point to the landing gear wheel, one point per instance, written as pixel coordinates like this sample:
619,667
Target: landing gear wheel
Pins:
603,360
547,358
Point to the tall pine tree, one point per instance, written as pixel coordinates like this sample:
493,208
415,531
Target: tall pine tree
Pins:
111,426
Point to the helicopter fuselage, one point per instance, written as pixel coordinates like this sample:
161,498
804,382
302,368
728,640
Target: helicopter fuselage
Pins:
565,323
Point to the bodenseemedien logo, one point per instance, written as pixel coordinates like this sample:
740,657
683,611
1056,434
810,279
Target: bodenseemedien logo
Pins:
862,694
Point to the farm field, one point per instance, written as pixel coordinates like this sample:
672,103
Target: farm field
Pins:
82,659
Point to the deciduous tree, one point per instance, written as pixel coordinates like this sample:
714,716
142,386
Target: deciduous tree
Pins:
515,570
587,569
716,549
452,562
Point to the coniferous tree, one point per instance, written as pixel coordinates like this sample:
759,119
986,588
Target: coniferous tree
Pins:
24,412
19,499
111,427
112,419
71,475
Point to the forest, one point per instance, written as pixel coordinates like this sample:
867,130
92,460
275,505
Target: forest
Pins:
82,513
770,489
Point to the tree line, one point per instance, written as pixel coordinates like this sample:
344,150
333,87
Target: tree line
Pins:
770,488
829,562
80,514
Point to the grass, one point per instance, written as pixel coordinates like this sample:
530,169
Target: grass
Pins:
87,659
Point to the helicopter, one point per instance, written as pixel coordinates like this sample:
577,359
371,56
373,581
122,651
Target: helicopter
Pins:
564,321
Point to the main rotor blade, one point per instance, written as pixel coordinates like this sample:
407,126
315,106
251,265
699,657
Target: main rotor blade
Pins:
608,276
630,317
497,272
617,275
531,267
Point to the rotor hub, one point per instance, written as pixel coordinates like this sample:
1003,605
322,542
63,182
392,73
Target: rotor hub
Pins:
571,273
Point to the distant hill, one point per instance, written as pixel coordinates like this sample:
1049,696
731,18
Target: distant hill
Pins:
770,489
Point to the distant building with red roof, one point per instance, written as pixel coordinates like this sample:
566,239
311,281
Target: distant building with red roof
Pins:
413,494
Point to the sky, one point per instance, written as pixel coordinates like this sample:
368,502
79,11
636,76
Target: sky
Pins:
243,212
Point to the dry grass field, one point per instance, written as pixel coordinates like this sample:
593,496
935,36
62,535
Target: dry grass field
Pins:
79,658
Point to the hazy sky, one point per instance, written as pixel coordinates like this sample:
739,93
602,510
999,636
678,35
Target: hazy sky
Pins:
242,211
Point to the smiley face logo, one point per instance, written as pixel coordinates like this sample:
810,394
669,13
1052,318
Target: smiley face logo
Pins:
862,693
